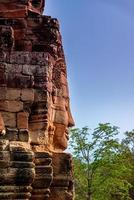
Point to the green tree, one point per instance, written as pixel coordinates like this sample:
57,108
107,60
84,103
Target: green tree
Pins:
128,143
99,164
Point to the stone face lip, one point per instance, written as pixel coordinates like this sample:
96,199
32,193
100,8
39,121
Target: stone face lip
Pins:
19,8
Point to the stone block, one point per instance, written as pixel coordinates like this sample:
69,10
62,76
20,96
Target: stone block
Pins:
40,81
4,156
42,182
44,155
40,194
19,58
11,134
3,91
22,120
20,155
39,58
15,192
15,195
20,164
29,69
41,95
29,58
2,77
39,117
37,126
14,13
24,135
4,56
19,81
4,144
27,95
61,193
2,67
15,188
9,119
43,161
40,138
40,170
62,164
13,68
4,164
11,106
20,176
19,33
12,94
42,70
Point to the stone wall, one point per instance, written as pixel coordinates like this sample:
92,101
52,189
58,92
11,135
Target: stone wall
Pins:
34,105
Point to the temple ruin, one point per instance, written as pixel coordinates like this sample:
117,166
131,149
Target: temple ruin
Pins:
34,105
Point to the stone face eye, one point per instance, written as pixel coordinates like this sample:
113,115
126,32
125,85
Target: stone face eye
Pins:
36,3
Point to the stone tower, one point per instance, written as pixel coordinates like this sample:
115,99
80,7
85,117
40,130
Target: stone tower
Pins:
34,105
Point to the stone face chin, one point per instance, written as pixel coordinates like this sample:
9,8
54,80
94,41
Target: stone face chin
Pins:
34,105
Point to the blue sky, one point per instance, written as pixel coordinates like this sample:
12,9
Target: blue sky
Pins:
98,39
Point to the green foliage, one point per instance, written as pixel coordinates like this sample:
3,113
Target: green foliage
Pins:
103,166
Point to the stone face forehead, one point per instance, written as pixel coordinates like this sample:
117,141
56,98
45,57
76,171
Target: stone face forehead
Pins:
36,6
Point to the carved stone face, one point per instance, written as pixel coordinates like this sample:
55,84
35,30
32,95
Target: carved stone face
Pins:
62,122
61,116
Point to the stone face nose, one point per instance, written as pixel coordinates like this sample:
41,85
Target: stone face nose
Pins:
71,122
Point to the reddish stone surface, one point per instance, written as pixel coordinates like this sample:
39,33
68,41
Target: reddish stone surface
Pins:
34,104
13,9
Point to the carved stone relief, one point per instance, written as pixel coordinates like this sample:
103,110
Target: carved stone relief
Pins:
34,105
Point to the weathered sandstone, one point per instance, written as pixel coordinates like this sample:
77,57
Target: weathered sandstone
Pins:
34,105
